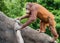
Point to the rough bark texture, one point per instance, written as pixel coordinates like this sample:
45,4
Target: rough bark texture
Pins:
7,33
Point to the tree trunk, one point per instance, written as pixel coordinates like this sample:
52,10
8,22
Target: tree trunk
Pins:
8,35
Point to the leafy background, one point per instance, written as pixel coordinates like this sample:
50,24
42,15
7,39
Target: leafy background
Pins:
16,8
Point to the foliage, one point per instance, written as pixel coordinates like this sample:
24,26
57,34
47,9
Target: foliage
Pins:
16,8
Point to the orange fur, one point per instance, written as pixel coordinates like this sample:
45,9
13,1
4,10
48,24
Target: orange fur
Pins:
46,17
34,11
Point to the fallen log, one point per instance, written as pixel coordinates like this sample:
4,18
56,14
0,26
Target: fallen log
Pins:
8,35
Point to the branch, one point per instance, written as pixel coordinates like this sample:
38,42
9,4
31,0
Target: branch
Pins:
8,35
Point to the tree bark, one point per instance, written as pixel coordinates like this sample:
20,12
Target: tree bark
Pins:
8,35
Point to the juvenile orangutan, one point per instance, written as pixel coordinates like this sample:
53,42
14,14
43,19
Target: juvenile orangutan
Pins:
33,11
